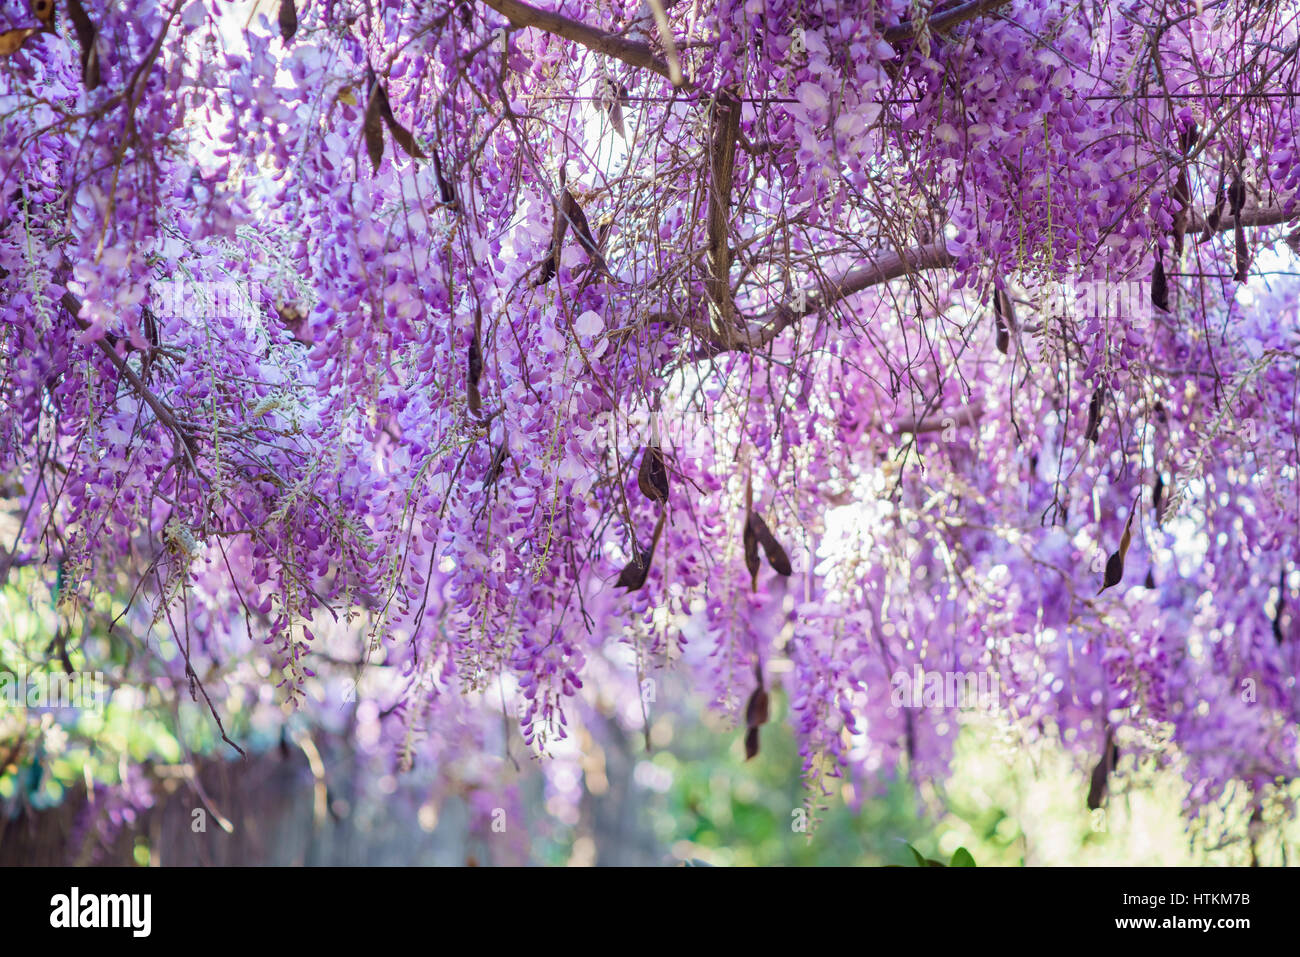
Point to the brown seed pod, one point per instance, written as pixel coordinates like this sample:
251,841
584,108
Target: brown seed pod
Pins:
652,476
776,555
373,128
1159,287
749,540
288,19
474,363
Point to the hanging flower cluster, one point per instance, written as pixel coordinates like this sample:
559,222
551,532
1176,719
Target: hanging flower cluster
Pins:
873,339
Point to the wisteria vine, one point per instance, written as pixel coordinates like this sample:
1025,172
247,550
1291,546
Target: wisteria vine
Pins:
796,343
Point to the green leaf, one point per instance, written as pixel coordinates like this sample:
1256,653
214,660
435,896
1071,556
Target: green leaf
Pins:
920,861
962,858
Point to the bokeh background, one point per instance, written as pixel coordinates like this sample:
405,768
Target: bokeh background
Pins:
149,782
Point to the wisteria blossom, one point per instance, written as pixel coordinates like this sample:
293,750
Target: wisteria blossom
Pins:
523,351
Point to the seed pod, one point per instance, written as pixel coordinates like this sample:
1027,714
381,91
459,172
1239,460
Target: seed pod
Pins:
401,135
559,227
1115,563
1216,214
373,128
1182,195
1101,773
1236,194
1159,286
652,476
497,465
288,19
1243,254
1000,322
751,743
750,542
1093,427
582,229
43,10
635,572
474,364
11,41
1278,634
776,555
445,191
379,108
1114,571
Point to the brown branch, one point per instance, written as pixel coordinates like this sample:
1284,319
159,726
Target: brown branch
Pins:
943,21
722,163
1254,217
892,266
872,273
160,409
629,51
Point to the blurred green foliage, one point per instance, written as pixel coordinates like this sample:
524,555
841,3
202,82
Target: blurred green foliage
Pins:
1006,803
43,753
1009,801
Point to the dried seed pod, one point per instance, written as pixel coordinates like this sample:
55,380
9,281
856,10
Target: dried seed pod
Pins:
1159,286
497,465
582,229
446,193
474,364
1182,195
652,476
1000,322
1278,633
401,135
43,10
11,41
749,540
378,110
1100,782
1236,194
1093,428
634,573
559,227
1242,253
776,555
373,128
288,19
1115,563
751,743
